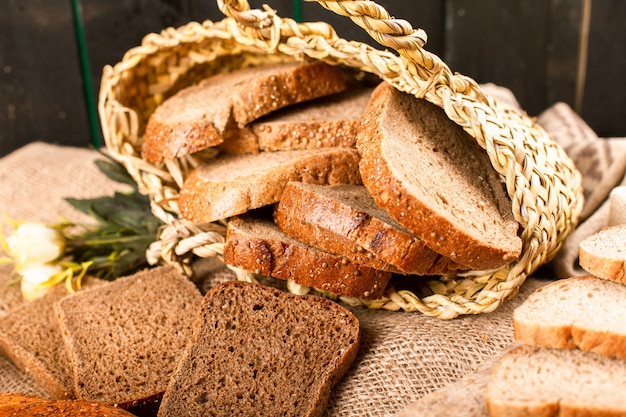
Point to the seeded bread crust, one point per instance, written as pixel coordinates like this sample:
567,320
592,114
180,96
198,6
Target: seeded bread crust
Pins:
535,381
258,245
125,338
434,179
257,351
31,338
21,405
234,184
197,117
345,220
603,254
325,122
584,313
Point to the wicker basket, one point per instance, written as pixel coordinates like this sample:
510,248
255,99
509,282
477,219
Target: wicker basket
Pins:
541,180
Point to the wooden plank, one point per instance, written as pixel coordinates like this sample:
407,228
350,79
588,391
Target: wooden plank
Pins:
604,100
563,51
502,42
425,14
41,94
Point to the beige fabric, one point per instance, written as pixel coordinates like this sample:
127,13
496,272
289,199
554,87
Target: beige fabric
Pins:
602,162
405,358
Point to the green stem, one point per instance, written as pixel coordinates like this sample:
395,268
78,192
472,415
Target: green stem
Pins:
297,10
90,100
109,240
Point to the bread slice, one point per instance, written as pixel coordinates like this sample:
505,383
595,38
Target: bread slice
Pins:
535,381
259,351
125,338
258,245
197,117
435,180
345,220
603,254
234,184
23,405
30,337
586,313
325,122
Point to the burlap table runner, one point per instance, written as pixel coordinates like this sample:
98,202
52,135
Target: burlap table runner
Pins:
405,358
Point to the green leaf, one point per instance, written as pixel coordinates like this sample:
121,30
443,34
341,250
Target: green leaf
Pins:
115,171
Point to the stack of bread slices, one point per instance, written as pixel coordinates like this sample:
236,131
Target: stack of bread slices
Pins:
571,334
152,344
333,183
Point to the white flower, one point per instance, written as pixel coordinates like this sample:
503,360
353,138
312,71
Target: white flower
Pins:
35,278
35,244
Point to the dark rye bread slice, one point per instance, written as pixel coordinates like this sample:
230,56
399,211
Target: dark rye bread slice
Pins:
345,220
325,122
535,381
603,254
31,338
258,245
234,184
197,117
125,338
434,179
257,351
586,313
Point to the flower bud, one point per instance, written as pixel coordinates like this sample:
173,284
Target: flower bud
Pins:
35,244
34,278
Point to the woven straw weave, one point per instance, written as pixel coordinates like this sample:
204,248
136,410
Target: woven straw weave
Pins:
541,180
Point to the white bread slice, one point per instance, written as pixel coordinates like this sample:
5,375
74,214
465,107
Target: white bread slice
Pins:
603,254
345,220
256,244
585,313
534,381
435,180
233,184
197,117
257,351
325,122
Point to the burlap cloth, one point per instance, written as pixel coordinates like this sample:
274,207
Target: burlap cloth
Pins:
408,363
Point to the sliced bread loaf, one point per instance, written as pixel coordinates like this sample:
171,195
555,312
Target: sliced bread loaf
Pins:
534,381
345,220
587,313
125,338
435,180
31,338
198,116
603,254
234,184
257,351
258,245
22,405
322,123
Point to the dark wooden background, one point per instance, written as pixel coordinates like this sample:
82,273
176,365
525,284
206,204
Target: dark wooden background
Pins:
543,50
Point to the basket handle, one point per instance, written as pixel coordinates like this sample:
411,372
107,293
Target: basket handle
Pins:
397,34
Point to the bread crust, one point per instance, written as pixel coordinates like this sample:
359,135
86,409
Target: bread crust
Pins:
603,254
326,122
197,117
574,313
272,253
392,143
309,214
235,184
29,405
535,381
